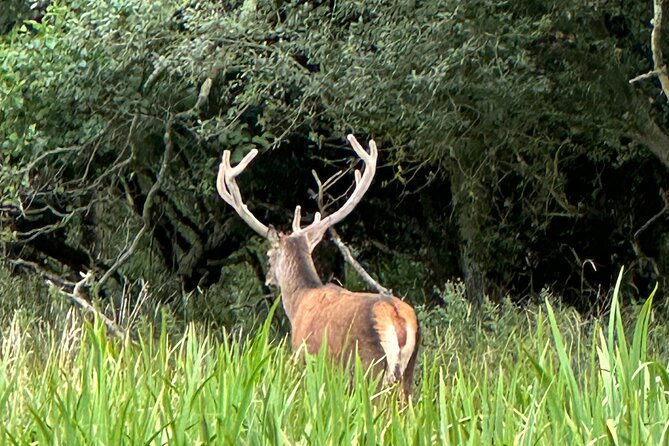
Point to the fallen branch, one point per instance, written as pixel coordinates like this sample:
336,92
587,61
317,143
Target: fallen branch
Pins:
77,297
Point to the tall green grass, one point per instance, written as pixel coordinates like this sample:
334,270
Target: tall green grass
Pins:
549,378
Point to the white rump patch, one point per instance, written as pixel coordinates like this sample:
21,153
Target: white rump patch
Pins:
388,338
409,346
396,358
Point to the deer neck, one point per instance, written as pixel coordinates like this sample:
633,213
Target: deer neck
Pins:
298,273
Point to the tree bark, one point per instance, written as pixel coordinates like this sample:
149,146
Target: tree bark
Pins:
470,203
654,138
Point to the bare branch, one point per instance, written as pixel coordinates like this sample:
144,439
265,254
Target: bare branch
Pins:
56,151
158,68
148,204
46,274
203,96
645,76
660,70
651,220
345,250
348,256
153,191
77,296
657,48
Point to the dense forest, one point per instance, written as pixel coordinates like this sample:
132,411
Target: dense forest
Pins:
515,153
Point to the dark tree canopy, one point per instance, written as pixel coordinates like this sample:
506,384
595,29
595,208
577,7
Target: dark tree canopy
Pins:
515,154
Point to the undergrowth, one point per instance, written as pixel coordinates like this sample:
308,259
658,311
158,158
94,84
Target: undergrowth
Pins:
539,375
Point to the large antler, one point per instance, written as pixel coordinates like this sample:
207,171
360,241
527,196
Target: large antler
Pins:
315,230
229,191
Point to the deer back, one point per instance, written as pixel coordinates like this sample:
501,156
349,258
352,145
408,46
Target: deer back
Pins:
381,329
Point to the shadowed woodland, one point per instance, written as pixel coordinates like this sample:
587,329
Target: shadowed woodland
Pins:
514,152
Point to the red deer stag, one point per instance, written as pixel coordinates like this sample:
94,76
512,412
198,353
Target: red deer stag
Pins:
382,329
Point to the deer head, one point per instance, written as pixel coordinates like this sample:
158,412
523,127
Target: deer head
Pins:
301,237
382,329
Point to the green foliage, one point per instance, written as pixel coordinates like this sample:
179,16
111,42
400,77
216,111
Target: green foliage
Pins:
13,11
549,378
237,304
508,131
28,297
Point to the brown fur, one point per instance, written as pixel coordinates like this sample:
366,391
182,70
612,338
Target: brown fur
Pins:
348,321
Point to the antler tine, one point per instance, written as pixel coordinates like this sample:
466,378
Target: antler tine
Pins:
296,218
362,153
229,190
362,182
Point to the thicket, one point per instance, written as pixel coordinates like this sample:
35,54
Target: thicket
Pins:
514,152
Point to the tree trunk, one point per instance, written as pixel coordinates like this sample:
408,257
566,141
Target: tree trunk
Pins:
470,203
653,137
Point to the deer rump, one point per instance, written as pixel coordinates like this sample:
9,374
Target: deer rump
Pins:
382,329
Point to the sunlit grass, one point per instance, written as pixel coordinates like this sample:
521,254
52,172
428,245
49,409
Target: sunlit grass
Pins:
543,381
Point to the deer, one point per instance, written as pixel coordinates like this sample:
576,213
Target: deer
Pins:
381,328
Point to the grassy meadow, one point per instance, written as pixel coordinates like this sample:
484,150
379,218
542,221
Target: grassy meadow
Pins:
540,375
